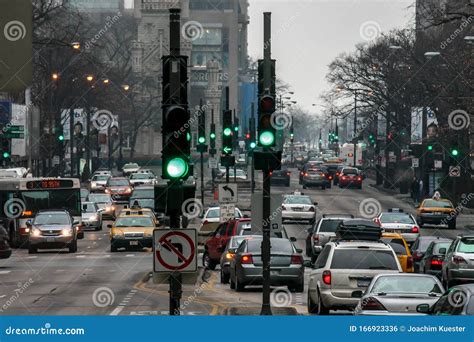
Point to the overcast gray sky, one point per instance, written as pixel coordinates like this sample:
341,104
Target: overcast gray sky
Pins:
308,34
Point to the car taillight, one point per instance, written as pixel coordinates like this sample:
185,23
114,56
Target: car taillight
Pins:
359,178
371,303
315,238
436,262
288,173
205,222
271,173
330,177
344,178
337,173
323,175
246,259
297,259
229,256
306,174
417,255
410,262
459,260
302,173
312,209
327,277
107,191
415,229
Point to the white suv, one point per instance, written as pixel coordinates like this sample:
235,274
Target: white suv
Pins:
344,270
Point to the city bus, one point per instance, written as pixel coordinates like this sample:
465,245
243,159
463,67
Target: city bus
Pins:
22,198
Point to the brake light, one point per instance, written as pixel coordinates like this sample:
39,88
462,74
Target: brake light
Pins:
107,191
359,178
297,259
459,260
205,222
327,277
415,229
410,262
344,177
337,173
315,238
229,256
436,262
371,304
306,174
330,177
246,259
323,175
27,213
288,173
271,173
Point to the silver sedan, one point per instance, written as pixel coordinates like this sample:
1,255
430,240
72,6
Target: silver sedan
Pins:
399,294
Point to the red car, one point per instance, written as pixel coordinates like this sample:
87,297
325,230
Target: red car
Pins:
119,188
218,240
350,177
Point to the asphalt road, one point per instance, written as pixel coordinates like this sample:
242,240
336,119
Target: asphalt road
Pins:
95,281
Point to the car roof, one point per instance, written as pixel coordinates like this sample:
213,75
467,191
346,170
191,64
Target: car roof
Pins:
343,244
53,211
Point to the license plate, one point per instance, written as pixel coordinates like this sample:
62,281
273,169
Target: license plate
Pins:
133,243
274,273
363,283
50,240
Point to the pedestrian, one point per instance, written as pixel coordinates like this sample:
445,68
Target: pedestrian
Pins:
436,195
414,188
420,192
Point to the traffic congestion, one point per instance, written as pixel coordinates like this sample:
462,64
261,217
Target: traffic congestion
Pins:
345,247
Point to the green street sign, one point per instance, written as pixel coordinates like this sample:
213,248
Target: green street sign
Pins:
15,135
15,128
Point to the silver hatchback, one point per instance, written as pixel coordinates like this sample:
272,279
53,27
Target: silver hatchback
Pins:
458,264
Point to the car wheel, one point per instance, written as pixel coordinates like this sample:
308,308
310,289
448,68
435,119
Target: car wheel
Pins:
232,284
207,262
323,187
312,221
312,307
420,223
309,251
288,183
224,278
238,286
304,186
113,248
32,249
73,247
359,187
297,288
322,310
452,224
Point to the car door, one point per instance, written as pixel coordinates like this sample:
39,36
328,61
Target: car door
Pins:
217,242
448,258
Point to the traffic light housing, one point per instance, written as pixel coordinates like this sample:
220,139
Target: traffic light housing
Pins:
266,131
202,147
6,148
227,132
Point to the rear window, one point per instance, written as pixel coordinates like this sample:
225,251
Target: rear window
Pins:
436,204
350,171
297,200
397,245
406,284
244,226
364,259
329,226
466,246
396,218
438,246
278,246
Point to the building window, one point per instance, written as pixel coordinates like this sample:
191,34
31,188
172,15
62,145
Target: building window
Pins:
211,5
211,36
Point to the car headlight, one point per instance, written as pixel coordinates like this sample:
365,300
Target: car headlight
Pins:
36,232
67,231
118,234
93,184
94,218
148,234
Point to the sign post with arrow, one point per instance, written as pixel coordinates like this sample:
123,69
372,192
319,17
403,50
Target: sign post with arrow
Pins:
228,193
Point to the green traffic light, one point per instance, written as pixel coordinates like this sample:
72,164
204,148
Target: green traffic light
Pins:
253,145
236,128
455,153
6,155
213,135
430,147
202,140
61,138
227,132
188,136
177,168
267,138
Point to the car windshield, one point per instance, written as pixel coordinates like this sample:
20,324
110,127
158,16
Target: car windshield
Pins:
236,241
117,182
143,193
100,178
142,176
297,200
279,246
215,213
396,218
89,207
364,259
54,218
134,222
466,245
329,226
436,204
397,245
100,198
130,166
406,284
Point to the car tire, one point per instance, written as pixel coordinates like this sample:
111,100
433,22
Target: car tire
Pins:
359,187
312,307
238,286
312,222
314,257
452,224
207,262
298,288
32,249
224,278
113,248
309,251
288,183
232,284
73,247
323,187
304,186
322,310
420,223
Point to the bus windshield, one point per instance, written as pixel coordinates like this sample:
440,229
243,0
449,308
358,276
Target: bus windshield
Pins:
68,199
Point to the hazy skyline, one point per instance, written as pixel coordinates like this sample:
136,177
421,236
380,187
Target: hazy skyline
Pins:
308,34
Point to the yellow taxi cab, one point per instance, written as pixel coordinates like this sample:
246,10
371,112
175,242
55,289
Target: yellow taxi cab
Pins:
139,211
436,211
131,231
402,250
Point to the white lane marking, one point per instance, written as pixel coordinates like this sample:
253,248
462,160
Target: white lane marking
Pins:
57,271
4,272
80,256
3,296
89,247
130,255
99,239
32,257
116,311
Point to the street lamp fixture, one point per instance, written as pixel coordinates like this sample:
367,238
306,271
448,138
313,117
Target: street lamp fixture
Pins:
469,39
126,87
89,78
76,45
395,47
55,76
106,81
431,54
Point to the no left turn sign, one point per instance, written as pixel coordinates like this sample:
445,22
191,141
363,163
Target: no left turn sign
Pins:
175,250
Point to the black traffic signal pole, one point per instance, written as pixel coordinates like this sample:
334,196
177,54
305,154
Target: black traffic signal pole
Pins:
175,290
227,108
252,139
236,144
266,246
202,125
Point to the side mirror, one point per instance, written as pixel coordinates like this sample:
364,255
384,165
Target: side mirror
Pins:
442,251
307,263
299,250
29,223
293,239
315,203
423,308
232,250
